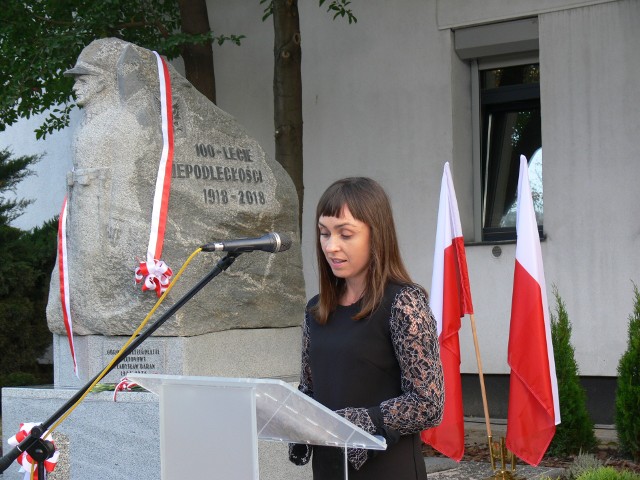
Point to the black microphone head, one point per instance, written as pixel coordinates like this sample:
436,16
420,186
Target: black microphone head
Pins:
283,242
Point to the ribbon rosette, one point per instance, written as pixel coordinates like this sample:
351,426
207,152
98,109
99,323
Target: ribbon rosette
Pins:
24,459
154,274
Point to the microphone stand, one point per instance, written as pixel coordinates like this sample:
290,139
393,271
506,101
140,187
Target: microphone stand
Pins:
40,449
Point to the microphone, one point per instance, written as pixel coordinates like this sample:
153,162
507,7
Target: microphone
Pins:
271,242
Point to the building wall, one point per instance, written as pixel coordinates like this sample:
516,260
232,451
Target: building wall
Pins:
590,103
389,98
462,13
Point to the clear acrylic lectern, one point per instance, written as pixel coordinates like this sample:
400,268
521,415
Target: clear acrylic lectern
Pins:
216,422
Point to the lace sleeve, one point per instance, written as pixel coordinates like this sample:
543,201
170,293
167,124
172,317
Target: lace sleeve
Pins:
300,453
306,383
415,340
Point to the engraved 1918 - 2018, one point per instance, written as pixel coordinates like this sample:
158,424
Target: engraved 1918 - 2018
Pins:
224,183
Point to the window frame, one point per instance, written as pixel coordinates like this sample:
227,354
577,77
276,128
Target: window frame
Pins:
520,93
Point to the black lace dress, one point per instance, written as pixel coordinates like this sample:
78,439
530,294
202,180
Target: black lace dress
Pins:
382,373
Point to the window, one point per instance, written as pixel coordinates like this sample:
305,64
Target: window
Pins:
510,127
505,108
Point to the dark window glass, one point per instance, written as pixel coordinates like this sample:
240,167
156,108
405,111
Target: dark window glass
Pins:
510,100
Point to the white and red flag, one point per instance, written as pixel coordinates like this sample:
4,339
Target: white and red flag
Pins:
534,409
450,300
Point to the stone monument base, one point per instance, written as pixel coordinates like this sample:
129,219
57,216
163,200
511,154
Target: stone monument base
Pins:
250,353
114,440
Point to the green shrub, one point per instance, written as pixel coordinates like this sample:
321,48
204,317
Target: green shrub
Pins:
27,259
627,418
26,262
575,432
19,379
582,463
608,473
12,172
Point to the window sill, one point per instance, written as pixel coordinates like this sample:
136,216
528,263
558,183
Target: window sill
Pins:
488,243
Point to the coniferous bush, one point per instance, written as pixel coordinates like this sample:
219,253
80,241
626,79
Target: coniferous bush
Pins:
627,411
575,432
26,261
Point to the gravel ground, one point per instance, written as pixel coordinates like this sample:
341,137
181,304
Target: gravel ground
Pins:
476,460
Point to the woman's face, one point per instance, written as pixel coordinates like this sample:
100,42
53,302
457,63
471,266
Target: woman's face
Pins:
345,243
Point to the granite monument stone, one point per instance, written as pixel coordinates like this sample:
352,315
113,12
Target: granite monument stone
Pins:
222,186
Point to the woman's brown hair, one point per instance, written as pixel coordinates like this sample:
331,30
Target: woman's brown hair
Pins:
368,203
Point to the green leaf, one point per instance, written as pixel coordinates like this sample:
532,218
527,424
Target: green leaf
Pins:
40,40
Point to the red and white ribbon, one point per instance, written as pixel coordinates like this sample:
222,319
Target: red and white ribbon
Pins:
63,270
24,459
123,385
163,183
154,275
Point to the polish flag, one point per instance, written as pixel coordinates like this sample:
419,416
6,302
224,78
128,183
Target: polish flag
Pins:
534,409
450,299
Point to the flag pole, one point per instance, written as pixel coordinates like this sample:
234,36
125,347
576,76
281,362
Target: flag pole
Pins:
502,453
482,388
479,360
